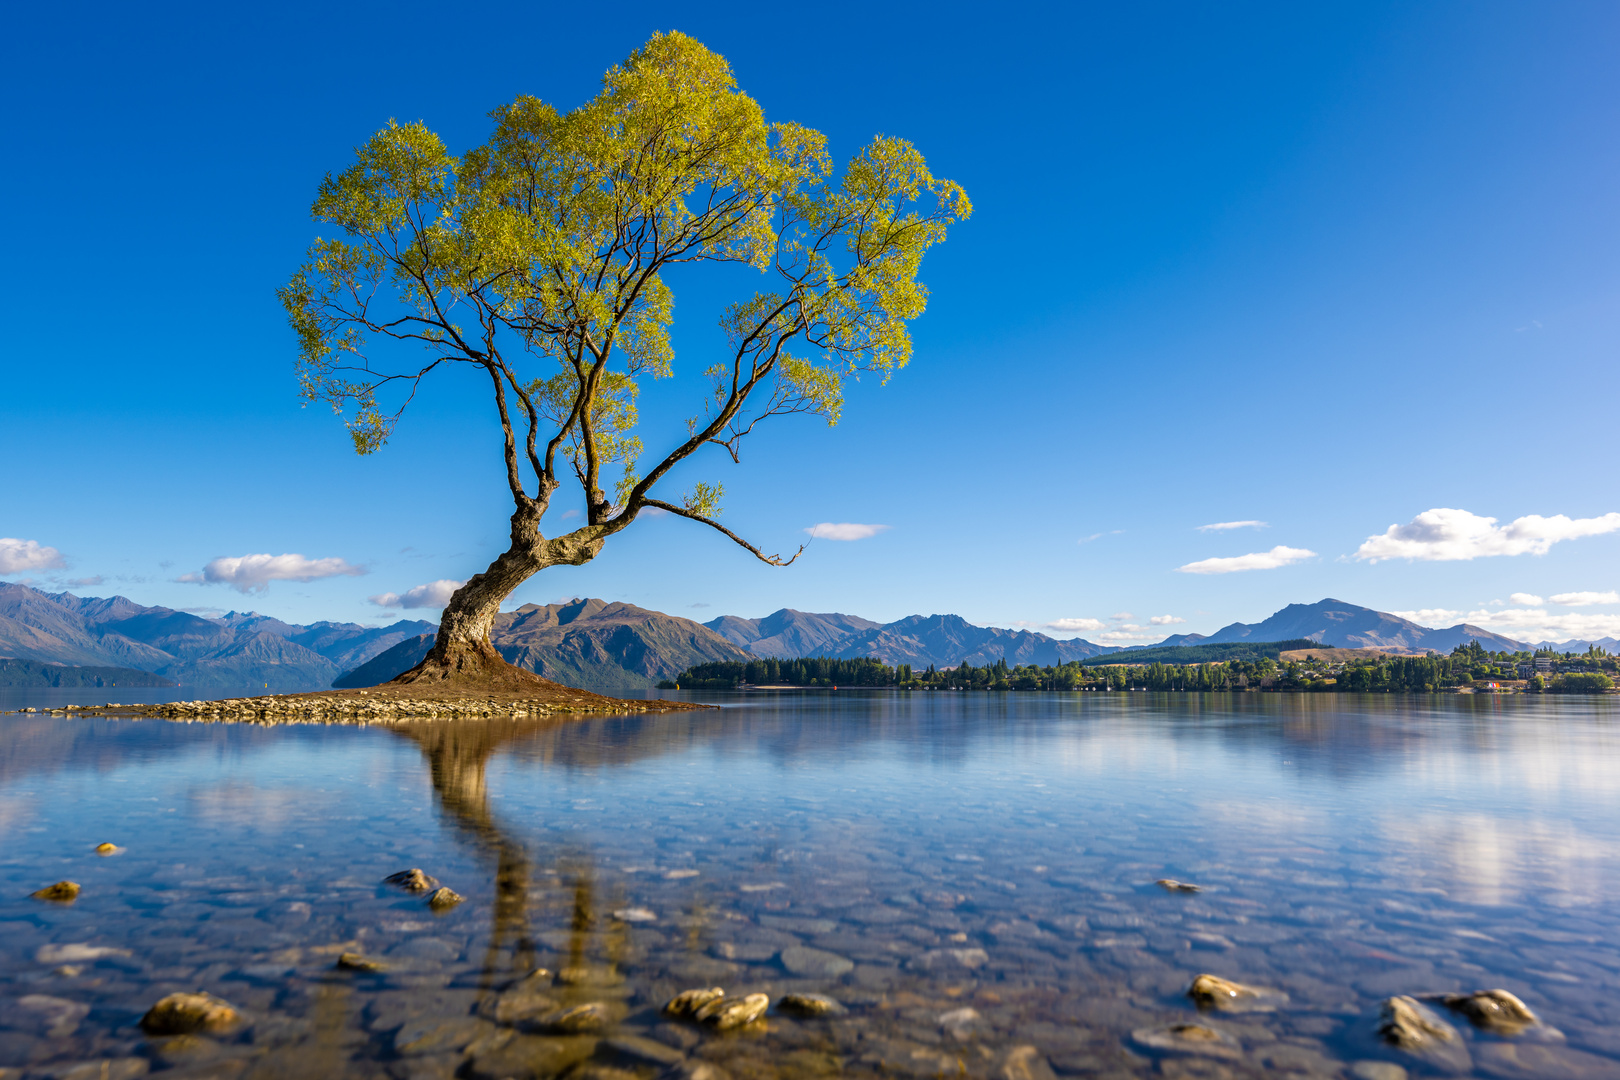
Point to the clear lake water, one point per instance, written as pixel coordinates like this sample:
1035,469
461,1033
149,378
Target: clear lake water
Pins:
971,877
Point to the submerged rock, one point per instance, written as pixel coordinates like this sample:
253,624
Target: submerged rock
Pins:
809,1005
723,1014
1188,1039
1405,1023
811,963
55,1017
1024,1063
1214,992
587,1019
412,880
635,915
355,962
182,1014
75,953
686,1003
1377,1070
444,899
63,892
1178,886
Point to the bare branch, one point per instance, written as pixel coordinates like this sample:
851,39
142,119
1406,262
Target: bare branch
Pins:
774,560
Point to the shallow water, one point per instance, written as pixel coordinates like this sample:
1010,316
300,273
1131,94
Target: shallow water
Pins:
971,875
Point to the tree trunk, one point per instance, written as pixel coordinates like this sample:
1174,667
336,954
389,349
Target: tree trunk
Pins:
462,652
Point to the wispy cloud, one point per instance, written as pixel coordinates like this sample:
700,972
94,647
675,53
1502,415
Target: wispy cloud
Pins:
435,594
80,582
1523,623
1445,535
1222,526
1582,599
844,530
254,573
1117,629
1258,560
21,556
699,604
1098,536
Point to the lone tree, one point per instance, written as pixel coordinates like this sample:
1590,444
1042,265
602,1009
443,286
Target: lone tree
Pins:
538,261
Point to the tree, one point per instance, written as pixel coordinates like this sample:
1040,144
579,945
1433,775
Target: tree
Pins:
538,262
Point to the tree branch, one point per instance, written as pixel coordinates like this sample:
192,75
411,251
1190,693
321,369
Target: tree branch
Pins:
773,560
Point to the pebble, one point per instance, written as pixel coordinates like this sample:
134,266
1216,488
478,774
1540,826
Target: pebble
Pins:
1178,886
1377,1070
182,1014
592,1017
635,1050
443,899
63,892
686,1003
75,953
57,1017
723,1014
635,915
109,849
412,880
1405,1023
809,1005
1188,1039
356,962
807,963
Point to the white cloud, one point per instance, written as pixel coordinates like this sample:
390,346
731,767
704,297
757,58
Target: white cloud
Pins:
1522,599
1581,599
254,573
1259,560
1222,526
1523,623
844,530
20,556
1076,626
435,594
1166,620
1098,536
1443,535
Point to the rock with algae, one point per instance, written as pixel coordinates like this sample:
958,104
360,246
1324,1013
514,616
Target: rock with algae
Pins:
444,899
686,1003
63,892
1214,992
1497,1011
183,1014
723,1014
809,1005
412,880
1407,1024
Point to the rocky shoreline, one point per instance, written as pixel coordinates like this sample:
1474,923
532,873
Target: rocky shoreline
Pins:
363,708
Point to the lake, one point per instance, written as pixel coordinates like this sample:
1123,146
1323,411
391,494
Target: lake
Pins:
971,877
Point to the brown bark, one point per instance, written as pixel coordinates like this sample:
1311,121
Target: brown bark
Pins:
462,652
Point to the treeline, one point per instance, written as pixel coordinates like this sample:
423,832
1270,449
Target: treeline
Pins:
1202,654
1468,666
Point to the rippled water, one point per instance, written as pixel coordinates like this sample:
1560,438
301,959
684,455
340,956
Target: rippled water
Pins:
970,875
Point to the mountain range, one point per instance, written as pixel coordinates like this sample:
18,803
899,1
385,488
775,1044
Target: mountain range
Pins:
233,652
598,645
605,646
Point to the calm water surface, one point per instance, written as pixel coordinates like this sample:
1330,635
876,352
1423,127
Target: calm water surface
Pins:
971,875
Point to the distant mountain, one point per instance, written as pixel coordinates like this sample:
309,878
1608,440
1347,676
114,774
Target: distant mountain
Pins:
239,650
32,673
790,634
949,640
1347,626
591,644
1174,641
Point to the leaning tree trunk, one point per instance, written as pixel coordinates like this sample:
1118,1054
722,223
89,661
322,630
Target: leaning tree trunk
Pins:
462,651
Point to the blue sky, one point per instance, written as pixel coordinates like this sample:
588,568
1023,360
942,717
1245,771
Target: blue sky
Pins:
1325,267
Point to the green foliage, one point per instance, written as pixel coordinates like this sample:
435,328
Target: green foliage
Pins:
1581,683
1203,654
540,258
